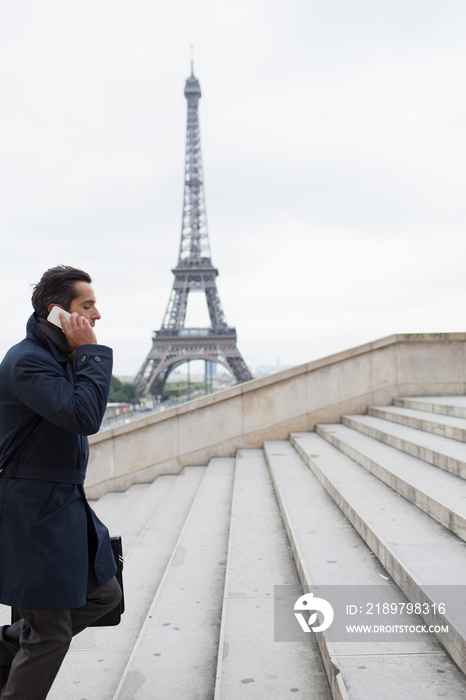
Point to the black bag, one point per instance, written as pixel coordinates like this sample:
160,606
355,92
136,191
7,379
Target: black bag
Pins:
113,617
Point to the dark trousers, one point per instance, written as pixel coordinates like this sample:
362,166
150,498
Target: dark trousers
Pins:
36,645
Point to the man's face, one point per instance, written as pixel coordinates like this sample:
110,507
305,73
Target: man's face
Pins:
85,303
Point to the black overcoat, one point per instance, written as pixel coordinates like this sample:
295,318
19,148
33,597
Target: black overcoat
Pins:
48,405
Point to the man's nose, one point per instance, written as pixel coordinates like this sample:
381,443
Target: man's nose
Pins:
96,314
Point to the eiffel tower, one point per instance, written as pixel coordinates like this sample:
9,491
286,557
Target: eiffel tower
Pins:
174,344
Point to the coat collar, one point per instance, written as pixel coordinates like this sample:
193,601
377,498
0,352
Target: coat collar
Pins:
35,332
56,335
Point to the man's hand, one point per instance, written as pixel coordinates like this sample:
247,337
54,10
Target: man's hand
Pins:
78,331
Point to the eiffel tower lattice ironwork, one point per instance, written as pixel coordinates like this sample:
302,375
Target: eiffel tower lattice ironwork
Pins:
174,344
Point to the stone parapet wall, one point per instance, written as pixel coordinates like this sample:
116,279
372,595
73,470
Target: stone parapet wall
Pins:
271,407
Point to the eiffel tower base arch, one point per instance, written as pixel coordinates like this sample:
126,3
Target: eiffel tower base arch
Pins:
170,349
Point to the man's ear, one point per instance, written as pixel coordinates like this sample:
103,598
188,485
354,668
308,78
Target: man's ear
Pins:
50,307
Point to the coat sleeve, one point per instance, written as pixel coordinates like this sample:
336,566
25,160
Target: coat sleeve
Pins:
42,384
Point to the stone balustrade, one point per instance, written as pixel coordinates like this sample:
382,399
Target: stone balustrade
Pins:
272,407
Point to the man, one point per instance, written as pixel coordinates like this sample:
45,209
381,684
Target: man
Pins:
56,561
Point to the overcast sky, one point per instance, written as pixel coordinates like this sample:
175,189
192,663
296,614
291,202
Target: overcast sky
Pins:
334,149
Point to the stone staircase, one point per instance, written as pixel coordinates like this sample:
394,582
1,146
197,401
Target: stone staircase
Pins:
374,501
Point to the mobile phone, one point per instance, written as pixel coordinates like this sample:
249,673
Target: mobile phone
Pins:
54,318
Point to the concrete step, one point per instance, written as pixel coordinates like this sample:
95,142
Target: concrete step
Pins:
399,534
175,655
330,554
438,493
440,451
114,504
446,426
128,515
446,405
98,656
251,665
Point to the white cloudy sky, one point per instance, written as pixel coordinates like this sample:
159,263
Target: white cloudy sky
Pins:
334,148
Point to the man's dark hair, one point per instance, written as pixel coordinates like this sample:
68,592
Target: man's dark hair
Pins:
57,286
